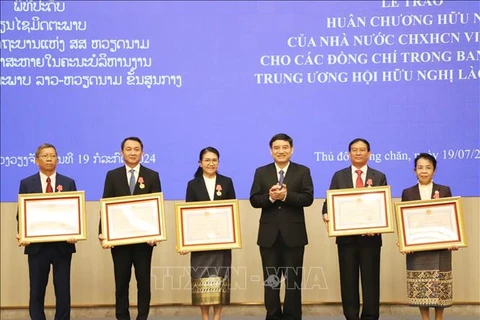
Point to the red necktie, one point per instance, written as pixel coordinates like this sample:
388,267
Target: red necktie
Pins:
49,186
359,182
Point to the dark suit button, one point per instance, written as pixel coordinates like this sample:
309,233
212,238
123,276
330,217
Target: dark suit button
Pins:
279,207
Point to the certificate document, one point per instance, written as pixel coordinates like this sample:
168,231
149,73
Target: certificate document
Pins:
359,211
430,224
49,217
364,211
207,225
133,219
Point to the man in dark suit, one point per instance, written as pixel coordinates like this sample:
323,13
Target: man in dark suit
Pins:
360,253
42,255
282,189
132,178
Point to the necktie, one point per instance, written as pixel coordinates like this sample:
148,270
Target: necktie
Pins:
49,186
359,182
132,180
281,177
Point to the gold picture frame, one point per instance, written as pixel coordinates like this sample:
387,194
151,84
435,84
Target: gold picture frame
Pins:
430,224
207,225
52,217
356,211
133,219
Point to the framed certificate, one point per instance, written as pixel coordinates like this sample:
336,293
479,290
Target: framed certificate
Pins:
207,225
50,217
430,224
359,211
133,219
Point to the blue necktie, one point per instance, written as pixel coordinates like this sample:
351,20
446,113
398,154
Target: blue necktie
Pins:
280,179
132,180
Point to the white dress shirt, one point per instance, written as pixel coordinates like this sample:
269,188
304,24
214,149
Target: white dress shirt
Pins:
284,170
425,191
278,177
210,184
135,173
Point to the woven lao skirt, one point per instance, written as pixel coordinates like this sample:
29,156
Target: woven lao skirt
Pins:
429,278
210,277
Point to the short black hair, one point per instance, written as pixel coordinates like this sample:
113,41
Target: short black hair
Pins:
283,137
428,157
208,149
358,140
134,139
199,171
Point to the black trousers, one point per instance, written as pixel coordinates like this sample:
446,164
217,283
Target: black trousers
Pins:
140,257
38,270
360,261
277,261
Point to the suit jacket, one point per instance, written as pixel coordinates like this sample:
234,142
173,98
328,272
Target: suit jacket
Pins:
413,193
342,179
33,184
197,190
116,184
286,217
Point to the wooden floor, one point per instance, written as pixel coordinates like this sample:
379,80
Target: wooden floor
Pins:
247,312
239,317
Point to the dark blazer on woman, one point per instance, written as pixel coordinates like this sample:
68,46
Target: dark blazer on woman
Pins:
413,193
197,190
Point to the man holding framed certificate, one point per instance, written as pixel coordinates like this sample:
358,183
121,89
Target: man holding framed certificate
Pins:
358,253
43,254
131,179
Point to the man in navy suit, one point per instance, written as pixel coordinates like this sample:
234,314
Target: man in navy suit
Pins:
358,254
132,178
282,189
42,255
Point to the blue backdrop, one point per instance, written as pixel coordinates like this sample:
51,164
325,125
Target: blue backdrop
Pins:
183,75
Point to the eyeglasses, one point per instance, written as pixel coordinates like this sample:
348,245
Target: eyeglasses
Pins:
214,161
46,156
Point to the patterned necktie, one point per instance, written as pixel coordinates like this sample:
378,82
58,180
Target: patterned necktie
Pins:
359,182
49,186
281,177
132,181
